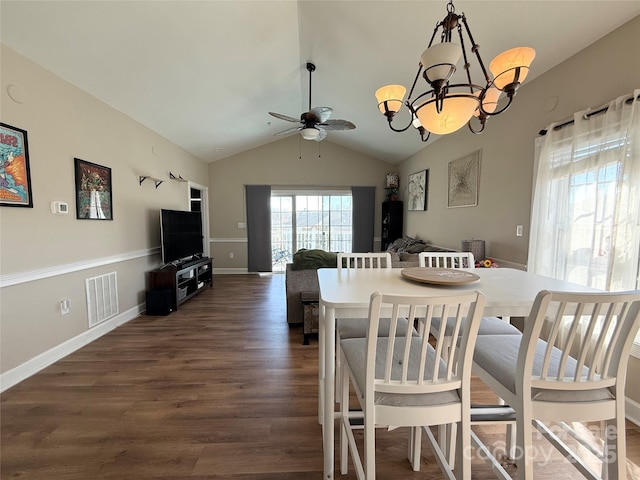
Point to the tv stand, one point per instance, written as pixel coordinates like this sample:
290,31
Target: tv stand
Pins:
184,281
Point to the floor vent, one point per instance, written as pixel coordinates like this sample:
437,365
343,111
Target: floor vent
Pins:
102,298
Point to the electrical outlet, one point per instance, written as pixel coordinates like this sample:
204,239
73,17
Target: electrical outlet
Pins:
519,230
230,254
65,306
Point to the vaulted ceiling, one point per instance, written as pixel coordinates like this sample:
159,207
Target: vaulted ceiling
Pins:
205,74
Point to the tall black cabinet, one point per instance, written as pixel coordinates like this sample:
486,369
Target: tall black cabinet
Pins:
391,223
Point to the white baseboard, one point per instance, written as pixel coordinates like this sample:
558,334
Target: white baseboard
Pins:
229,271
509,264
30,367
632,411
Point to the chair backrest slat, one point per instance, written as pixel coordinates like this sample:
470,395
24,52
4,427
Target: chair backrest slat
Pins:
551,340
411,364
617,335
599,355
364,260
569,342
583,357
446,259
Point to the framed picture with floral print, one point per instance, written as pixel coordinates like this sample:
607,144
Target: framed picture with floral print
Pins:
93,191
418,186
15,175
464,178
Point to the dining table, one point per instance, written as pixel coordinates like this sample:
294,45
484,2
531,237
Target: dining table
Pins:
345,293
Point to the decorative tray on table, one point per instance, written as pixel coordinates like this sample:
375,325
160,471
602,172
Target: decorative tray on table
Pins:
439,276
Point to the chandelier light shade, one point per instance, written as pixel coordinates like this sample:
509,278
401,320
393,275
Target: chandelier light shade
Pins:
390,98
439,62
511,67
454,114
489,101
446,107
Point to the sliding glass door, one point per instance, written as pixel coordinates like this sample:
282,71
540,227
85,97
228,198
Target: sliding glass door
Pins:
310,220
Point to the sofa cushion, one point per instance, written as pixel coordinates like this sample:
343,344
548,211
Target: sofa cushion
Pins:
313,259
406,244
409,257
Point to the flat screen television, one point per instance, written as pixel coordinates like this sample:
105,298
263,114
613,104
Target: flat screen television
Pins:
181,234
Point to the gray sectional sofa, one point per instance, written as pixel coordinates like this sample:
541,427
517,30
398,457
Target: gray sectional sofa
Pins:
302,278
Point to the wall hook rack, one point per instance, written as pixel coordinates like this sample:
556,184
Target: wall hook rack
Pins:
157,181
176,178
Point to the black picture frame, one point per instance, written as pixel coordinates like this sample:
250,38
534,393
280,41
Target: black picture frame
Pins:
418,190
94,198
464,181
15,172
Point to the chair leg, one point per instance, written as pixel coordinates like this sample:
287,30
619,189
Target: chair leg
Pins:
338,390
415,447
451,447
369,448
510,437
447,442
615,453
524,434
343,379
463,450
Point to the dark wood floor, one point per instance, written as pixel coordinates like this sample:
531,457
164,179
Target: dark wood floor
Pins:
221,389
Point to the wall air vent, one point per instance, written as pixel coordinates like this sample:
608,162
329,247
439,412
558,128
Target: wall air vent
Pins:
102,298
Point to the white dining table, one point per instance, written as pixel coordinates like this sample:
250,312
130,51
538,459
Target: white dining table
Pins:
345,293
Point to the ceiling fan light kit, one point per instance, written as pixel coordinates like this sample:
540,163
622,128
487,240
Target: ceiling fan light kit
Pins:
314,123
446,107
310,133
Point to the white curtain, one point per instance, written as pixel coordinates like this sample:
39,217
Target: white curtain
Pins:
585,219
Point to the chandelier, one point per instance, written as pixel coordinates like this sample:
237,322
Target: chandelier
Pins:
447,107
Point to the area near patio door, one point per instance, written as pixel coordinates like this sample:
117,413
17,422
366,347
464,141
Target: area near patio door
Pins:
322,220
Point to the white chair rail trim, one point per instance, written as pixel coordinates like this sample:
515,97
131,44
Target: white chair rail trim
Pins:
228,240
39,274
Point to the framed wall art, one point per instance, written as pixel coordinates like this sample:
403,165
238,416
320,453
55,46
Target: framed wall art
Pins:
417,190
15,175
93,191
464,178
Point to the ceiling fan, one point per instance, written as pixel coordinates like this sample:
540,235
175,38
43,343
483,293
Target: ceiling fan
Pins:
314,123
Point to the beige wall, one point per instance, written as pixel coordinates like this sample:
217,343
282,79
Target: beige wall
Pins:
288,162
64,122
591,78
633,386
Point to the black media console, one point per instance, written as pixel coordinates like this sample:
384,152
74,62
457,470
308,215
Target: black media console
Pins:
182,282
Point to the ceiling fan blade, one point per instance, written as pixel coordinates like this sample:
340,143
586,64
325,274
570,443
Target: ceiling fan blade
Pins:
322,136
290,130
284,117
337,125
322,114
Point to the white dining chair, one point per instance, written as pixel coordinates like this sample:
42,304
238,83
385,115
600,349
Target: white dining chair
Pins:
357,327
488,326
364,260
446,259
404,381
569,365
